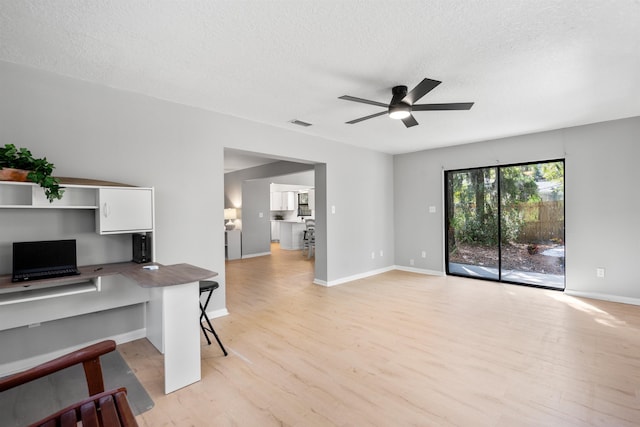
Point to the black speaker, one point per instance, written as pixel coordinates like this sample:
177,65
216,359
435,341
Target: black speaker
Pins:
141,248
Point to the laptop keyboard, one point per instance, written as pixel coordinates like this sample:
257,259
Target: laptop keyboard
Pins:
45,274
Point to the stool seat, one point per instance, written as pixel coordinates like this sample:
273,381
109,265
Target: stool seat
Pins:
208,286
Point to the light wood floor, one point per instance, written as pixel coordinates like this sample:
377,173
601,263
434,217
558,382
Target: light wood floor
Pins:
402,349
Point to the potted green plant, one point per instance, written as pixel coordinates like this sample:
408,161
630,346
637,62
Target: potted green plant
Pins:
18,164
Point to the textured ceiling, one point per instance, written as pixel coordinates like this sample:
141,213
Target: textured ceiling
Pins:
528,65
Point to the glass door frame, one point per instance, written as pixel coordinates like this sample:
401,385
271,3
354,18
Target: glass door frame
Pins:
448,200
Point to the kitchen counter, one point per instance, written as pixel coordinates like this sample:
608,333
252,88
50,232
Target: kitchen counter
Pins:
291,233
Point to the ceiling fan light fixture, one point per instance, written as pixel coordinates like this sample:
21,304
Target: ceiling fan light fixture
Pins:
403,103
400,111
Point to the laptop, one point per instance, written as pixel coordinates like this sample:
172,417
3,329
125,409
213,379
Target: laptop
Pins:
44,260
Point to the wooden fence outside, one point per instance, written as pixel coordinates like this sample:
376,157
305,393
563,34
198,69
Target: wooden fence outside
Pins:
543,221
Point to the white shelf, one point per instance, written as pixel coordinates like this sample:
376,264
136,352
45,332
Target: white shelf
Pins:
29,195
46,207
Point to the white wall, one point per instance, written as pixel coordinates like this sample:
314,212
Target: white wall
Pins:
601,202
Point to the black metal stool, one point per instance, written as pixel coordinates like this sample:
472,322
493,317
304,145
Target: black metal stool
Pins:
208,286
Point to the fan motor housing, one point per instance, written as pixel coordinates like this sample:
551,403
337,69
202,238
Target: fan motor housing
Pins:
399,92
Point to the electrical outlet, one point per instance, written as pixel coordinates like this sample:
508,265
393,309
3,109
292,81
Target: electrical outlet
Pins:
333,209
260,215
381,253
373,255
432,209
411,261
424,254
600,272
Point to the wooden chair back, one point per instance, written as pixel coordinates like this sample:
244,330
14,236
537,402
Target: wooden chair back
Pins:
103,409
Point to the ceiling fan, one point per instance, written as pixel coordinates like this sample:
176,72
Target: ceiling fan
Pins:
402,103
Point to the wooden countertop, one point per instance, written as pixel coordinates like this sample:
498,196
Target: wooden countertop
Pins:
169,275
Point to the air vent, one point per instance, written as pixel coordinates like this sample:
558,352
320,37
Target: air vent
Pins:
300,123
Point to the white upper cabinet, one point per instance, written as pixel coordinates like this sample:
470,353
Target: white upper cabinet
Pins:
283,201
276,200
312,199
124,210
288,200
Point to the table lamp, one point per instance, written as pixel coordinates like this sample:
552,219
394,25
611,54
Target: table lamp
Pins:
230,214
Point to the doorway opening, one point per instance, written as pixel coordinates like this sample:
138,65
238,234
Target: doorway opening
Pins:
274,196
506,223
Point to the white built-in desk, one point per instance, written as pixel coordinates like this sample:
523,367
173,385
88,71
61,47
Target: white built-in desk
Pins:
170,292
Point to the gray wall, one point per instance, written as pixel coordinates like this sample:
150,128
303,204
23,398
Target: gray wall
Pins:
299,179
97,132
601,201
256,217
27,342
256,201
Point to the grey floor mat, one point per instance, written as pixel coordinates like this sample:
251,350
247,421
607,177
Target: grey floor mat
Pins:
33,401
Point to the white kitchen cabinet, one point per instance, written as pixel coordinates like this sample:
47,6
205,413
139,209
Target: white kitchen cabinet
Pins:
124,210
276,200
288,200
283,201
312,199
275,231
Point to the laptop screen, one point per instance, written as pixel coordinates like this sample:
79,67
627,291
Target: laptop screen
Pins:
57,257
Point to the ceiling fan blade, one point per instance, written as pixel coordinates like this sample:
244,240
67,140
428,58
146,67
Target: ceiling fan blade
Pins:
364,101
423,88
409,121
366,117
439,107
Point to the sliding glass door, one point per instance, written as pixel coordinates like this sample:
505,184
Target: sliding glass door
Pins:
472,223
506,223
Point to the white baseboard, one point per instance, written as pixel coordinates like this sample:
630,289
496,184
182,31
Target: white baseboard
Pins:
352,278
212,314
22,364
255,255
419,270
604,297
375,272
